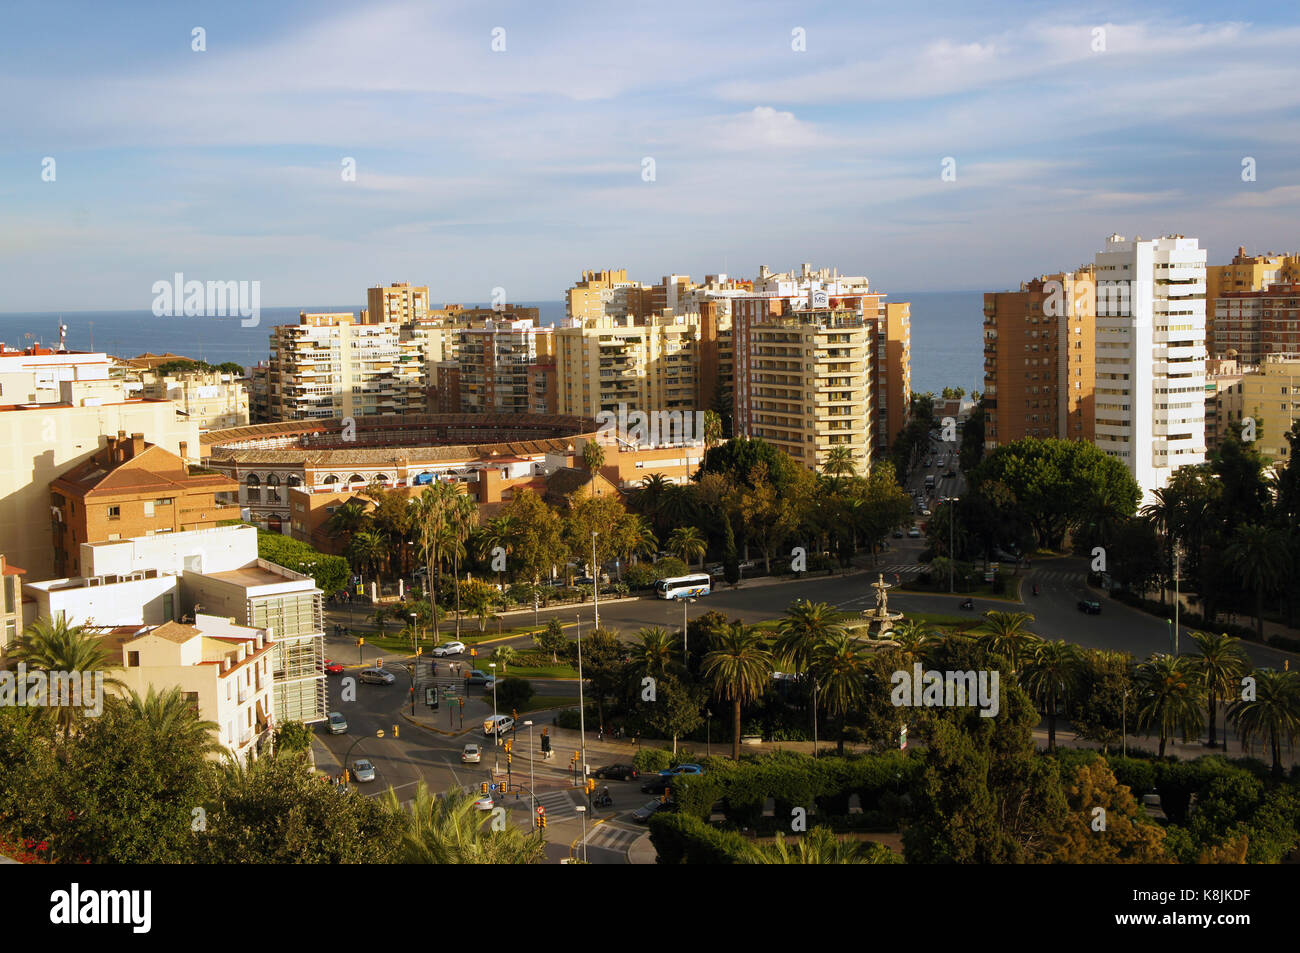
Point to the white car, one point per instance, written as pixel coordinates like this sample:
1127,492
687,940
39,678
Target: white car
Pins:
498,725
485,803
448,648
363,770
472,754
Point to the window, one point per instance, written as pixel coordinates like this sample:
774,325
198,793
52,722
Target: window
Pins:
115,512
148,509
169,608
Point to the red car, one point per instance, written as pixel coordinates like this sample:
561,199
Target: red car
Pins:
333,668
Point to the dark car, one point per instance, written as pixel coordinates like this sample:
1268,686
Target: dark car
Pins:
648,810
618,772
655,785
1090,607
477,677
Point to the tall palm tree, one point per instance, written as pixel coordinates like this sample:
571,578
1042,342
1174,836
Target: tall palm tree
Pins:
56,647
1052,676
430,518
912,638
841,663
1004,633
1169,697
1222,663
680,507
655,654
635,539
1261,559
169,714
461,516
366,551
499,532
449,829
650,497
839,463
739,666
593,458
1165,515
805,626
687,544
348,519
1272,716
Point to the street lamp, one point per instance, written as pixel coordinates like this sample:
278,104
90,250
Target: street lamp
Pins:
415,634
582,811
595,588
582,708
531,784
708,732
496,734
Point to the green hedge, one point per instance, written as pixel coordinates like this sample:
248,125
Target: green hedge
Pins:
679,838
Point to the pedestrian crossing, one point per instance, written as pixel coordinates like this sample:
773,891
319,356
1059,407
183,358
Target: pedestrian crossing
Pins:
613,837
901,569
1059,575
559,805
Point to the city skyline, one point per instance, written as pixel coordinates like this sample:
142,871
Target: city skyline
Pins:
810,134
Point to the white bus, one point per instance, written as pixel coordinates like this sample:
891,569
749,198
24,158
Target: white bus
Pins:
681,587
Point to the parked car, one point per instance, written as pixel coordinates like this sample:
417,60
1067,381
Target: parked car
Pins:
333,668
898,534
1090,606
448,648
925,511
950,474
655,785
363,771
682,769
497,725
913,533
338,724
648,810
472,754
377,676
619,772
477,677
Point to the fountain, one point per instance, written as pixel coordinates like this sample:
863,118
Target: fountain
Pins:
880,616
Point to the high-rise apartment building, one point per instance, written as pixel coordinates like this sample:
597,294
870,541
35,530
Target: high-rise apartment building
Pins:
1039,360
605,294
1251,325
398,303
1150,395
1223,398
329,366
506,367
1245,274
602,363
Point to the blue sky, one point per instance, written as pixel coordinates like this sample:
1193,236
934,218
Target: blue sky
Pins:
521,168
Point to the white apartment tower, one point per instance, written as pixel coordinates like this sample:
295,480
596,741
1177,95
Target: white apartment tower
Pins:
1150,401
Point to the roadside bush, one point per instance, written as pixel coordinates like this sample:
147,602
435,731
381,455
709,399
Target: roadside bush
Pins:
695,794
514,692
682,839
650,760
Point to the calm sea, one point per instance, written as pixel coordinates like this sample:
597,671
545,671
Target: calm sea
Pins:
947,337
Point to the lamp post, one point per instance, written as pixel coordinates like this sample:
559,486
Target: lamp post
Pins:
415,634
582,708
531,784
708,732
582,811
1177,567
496,735
595,587
1123,720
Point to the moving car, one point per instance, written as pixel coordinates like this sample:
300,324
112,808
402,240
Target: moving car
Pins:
448,648
338,724
377,676
363,770
913,533
619,772
643,814
898,534
485,803
477,677
498,724
1091,607
682,769
333,668
472,754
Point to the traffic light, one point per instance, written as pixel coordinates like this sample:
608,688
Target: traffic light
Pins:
394,731
510,745
546,742
346,776
483,787
508,757
514,714
541,821
419,650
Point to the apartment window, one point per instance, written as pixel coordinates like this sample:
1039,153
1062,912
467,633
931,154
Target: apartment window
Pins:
169,607
133,659
148,509
115,512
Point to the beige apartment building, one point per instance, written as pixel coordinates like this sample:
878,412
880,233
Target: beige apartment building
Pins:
604,363
1223,398
212,399
804,379
398,303
329,366
1040,360
605,294
34,375
504,367
1271,398
224,670
43,441
11,606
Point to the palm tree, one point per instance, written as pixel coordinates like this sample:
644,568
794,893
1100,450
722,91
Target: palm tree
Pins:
380,618
430,519
1051,677
1169,697
1222,663
841,665
1260,557
58,648
593,458
686,543
503,655
1004,633
1165,515
169,714
449,829
839,462
740,667
367,550
655,654
650,497
635,539
497,533
806,626
479,600
1273,715
461,515
912,638
347,520
819,846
